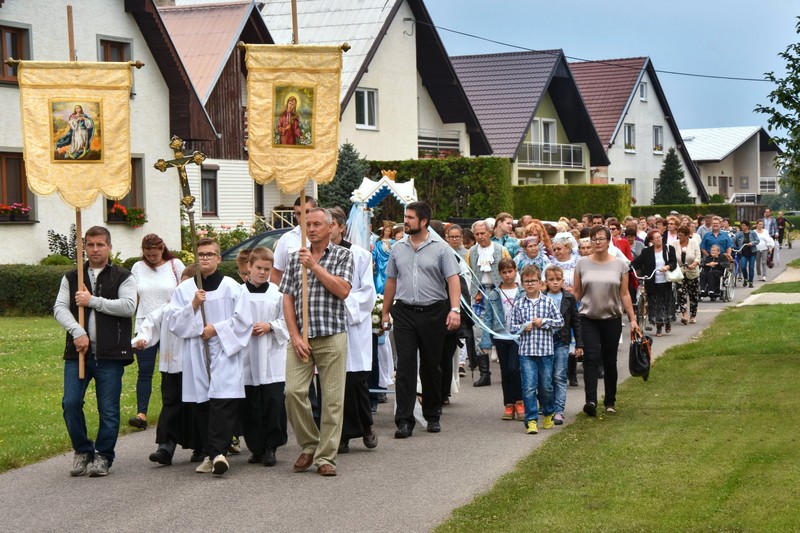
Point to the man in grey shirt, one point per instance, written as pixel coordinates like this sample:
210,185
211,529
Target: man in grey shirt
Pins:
422,294
108,296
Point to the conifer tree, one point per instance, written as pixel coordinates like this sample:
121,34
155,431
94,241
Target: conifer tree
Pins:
671,185
350,170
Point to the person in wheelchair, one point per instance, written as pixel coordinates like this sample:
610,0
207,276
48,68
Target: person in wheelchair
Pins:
712,268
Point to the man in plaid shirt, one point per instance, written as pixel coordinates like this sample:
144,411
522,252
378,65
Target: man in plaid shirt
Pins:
330,277
536,318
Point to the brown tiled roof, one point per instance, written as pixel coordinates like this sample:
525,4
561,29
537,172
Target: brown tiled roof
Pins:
505,91
205,36
607,87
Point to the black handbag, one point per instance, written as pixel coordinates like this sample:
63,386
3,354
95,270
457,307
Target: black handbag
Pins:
640,358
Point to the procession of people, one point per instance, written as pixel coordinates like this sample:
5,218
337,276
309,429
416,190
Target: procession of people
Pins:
237,359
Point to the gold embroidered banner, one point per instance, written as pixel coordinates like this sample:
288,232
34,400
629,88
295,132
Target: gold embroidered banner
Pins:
293,113
76,128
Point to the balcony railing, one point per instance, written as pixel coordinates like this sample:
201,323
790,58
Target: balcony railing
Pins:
551,155
438,143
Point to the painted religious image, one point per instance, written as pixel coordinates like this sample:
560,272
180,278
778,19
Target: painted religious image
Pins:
294,116
76,130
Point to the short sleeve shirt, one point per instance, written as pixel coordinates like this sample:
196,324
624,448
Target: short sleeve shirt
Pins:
421,274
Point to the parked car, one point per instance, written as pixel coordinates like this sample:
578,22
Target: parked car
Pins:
791,213
267,239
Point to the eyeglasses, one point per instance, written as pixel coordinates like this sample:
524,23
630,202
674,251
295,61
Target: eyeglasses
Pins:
207,256
599,240
454,237
530,281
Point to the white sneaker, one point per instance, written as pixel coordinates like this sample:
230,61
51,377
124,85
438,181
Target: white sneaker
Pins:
206,467
220,465
763,278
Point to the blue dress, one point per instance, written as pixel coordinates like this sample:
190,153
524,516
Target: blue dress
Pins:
380,255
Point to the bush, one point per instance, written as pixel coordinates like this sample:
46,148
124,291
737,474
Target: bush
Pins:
723,210
56,259
549,202
455,187
30,290
129,262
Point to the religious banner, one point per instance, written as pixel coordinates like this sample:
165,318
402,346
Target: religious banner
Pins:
293,96
76,128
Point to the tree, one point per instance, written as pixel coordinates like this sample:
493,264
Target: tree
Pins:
785,114
671,185
350,170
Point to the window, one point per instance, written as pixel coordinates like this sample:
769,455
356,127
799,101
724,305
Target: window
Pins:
14,43
14,185
549,135
768,186
258,198
658,138
643,92
630,137
135,197
115,49
708,179
632,183
208,190
744,182
367,108
714,181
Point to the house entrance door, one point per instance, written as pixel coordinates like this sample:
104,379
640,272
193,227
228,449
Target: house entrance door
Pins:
723,186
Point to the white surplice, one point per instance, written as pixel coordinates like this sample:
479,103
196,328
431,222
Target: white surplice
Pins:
264,358
227,309
155,329
359,305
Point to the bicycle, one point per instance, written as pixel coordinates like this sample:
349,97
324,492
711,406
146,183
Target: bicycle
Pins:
640,308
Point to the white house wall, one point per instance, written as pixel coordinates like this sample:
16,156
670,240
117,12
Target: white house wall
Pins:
392,72
644,165
149,126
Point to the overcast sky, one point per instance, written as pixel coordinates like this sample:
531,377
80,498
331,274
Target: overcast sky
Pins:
737,38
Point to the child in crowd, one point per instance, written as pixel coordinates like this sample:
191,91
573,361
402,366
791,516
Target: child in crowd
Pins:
212,349
242,262
712,267
564,363
530,253
263,412
468,238
175,424
498,317
535,317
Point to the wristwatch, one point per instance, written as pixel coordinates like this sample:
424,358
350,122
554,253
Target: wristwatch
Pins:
455,310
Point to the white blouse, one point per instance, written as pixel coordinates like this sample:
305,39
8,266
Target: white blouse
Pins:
155,286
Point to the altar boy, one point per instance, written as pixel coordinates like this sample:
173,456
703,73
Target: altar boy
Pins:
214,391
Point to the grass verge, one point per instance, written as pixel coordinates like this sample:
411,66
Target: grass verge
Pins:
31,386
705,444
789,286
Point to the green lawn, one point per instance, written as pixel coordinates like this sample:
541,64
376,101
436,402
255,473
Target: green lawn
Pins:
789,286
31,385
709,443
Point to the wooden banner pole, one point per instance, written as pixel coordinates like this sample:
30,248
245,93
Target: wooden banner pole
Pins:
78,224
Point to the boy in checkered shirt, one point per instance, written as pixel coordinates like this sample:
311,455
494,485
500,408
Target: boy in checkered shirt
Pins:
535,317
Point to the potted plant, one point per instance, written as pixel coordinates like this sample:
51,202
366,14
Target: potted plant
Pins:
133,217
5,212
19,211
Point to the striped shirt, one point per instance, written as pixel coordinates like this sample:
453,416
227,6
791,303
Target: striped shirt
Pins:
538,341
326,312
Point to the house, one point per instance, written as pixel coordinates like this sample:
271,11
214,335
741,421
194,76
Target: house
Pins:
400,97
161,104
633,119
532,113
737,163
205,36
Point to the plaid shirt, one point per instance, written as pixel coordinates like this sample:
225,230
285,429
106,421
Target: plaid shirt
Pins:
538,341
326,312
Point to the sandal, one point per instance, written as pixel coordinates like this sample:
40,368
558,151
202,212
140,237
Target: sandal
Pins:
683,320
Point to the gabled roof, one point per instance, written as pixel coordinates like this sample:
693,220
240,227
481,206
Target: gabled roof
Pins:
363,24
715,144
206,34
505,90
187,116
608,88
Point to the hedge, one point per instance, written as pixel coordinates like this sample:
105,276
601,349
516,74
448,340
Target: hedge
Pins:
723,210
31,290
455,187
549,202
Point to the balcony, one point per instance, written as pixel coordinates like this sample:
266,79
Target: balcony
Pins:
550,155
432,144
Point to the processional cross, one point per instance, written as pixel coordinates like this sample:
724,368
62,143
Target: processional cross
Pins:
187,201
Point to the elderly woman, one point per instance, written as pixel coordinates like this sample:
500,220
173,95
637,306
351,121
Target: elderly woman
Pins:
157,275
601,288
564,258
687,252
658,258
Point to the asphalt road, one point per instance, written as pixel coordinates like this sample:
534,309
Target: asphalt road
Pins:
402,485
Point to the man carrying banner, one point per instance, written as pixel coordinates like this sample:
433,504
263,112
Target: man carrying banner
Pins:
109,298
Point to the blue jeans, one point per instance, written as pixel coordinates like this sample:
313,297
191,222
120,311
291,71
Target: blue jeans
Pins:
560,360
537,377
107,377
747,265
146,360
